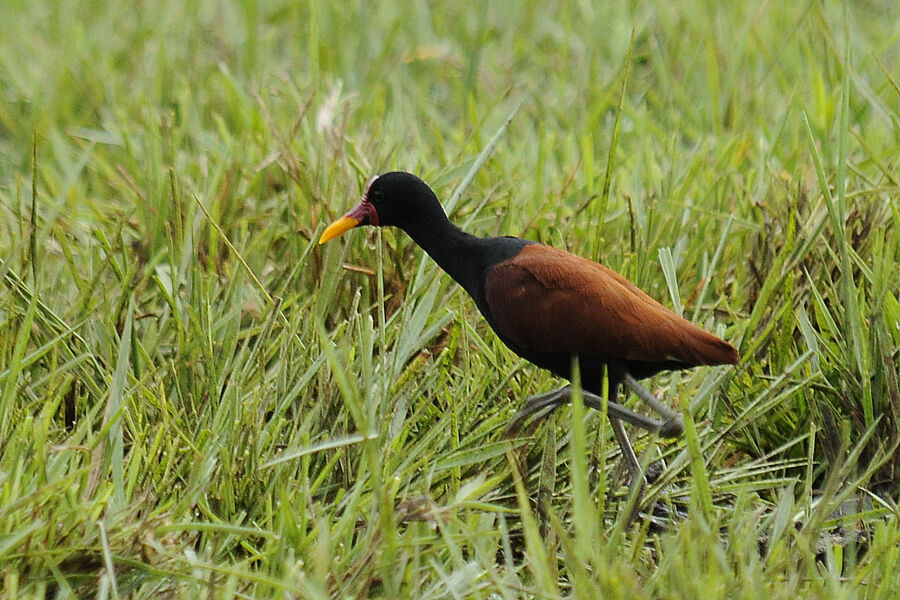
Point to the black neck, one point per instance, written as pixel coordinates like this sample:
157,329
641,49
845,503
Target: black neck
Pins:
452,249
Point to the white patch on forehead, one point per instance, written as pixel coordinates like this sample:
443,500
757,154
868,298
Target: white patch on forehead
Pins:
369,185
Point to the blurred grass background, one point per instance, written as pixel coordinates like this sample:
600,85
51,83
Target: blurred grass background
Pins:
196,400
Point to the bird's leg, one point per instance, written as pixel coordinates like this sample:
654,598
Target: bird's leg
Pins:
617,411
638,479
628,454
631,459
541,405
673,425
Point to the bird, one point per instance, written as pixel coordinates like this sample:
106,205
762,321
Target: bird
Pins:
550,307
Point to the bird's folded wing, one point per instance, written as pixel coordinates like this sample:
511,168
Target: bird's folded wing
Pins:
551,301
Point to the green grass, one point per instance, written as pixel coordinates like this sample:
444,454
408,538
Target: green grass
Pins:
198,401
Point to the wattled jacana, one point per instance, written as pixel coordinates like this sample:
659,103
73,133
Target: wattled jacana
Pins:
549,306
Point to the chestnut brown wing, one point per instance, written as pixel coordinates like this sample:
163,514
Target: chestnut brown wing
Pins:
548,300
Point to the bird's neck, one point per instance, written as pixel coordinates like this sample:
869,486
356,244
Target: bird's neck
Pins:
454,250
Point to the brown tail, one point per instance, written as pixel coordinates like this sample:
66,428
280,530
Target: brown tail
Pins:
703,348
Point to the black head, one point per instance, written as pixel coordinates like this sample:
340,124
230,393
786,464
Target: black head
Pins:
398,199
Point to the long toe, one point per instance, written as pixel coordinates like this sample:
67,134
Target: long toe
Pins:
537,407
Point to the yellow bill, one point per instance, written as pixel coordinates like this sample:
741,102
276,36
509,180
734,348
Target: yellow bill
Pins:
337,228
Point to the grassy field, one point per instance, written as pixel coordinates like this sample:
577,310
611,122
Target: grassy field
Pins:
196,400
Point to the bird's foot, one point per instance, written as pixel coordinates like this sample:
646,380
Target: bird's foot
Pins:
672,425
538,406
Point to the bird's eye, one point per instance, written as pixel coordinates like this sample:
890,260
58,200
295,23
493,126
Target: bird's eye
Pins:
376,195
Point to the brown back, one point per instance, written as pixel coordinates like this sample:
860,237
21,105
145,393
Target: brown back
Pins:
549,300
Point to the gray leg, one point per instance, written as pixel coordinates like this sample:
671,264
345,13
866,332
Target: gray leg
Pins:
673,426
627,449
541,405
